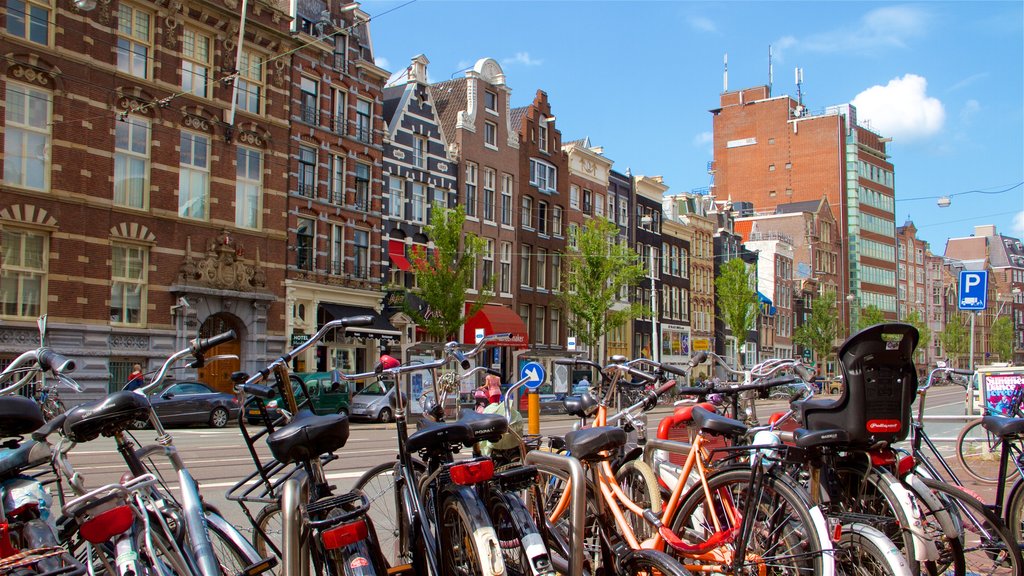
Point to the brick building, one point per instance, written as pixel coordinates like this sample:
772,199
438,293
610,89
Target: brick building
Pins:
771,150
691,210
674,335
139,207
649,193
621,188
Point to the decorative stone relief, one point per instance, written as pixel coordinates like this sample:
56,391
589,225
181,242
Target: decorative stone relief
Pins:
170,31
19,338
222,266
31,75
129,342
442,167
196,122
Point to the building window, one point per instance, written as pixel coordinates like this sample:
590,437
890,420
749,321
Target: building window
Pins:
23,273
194,176
131,162
309,101
556,272
29,20
133,40
419,151
611,207
396,197
471,199
364,115
361,197
305,255
250,82
542,135
419,202
556,221
307,171
684,263
524,315
542,217
337,248
27,136
624,212
540,317
490,183
542,269
248,187
340,104
542,175
524,267
361,254
490,101
128,284
588,201
506,268
488,258
195,63
574,196
490,134
506,199
573,232
556,325
337,181
526,218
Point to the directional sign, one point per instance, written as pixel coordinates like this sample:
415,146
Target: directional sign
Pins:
973,290
570,344
533,373
479,334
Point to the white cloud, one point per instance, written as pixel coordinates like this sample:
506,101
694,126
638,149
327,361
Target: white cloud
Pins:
382,62
1018,224
703,138
877,31
901,109
701,23
522,58
969,111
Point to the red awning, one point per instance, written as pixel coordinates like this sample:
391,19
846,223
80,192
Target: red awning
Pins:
495,319
396,251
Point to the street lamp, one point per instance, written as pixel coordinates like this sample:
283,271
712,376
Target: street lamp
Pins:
648,220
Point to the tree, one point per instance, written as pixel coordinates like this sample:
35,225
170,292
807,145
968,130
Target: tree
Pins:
1001,338
444,274
737,299
821,328
955,338
870,316
597,270
914,319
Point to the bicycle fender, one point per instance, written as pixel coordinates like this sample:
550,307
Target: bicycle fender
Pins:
492,563
532,543
924,548
896,558
828,551
949,528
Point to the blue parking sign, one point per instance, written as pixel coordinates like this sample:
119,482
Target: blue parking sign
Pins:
973,290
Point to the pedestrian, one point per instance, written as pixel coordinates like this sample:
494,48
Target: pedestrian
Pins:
135,379
584,383
488,393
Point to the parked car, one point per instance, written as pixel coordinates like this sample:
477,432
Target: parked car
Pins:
373,403
193,403
329,393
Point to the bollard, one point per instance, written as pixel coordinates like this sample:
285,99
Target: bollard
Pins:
533,412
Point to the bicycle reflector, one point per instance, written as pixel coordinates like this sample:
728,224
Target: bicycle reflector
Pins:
472,472
106,525
346,534
904,466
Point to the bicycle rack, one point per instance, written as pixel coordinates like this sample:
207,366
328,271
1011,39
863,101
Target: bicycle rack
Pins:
673,446
294,492
577,499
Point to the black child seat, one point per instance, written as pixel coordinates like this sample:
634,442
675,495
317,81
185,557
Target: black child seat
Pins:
308,436
880,386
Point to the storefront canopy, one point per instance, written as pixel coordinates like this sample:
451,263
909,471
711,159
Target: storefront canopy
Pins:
381,327
396,251
495,319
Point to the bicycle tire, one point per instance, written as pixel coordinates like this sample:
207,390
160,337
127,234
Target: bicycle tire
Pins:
652,563
468,542
518,536
978,452
232,555
784,536
638,483
550,484
988,545
378,483
868,552
268,527
1015,511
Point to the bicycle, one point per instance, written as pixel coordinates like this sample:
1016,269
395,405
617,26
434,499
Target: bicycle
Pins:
978,450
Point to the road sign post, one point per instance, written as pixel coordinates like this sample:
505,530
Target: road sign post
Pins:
533,374
973,296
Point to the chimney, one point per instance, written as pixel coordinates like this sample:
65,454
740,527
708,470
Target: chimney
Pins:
985,230
418,69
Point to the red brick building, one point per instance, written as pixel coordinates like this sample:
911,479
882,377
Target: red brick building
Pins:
135,210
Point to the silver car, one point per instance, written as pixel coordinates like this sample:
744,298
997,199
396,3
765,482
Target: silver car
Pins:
373,403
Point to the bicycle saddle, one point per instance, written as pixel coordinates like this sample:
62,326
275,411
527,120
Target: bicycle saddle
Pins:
582,406
489,427
1002,426
27,455
308,436
441,435
108,416
804,438
587,445
19,415
714,423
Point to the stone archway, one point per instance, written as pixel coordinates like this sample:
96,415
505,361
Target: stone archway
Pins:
217,374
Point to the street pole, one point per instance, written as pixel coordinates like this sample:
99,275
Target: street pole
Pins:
654,311
970,361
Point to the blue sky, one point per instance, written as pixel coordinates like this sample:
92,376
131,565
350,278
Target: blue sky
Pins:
944,79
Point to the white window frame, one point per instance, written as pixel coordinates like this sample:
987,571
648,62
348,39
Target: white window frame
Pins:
490,95
396,197
134,40
419,151
18,278
471,199
309,100
192,174
543,212
306,176
491,135
506,200
525,265
542,135
251,82
336,187
337,249
556,221
339,118
505,286
526,213
122,283
361,265
542,269
28,16
488,261
543,176
574,196
26,130
419,202
195,66
131,157
312,244
364,120
248,188
490,185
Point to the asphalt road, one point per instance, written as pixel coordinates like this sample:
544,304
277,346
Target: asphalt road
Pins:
218,458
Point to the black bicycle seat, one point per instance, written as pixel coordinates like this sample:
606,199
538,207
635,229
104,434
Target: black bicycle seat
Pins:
19,415
1002,426
440,436
806,439
716,424
113,414
582,406
308,436
587,445
489,427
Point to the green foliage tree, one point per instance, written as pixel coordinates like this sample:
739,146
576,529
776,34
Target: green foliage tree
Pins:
1001,338
737,299
821,328
597,269
955,338
870,316
914,319
444,274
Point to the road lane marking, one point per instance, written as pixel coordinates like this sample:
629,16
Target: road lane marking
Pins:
192,462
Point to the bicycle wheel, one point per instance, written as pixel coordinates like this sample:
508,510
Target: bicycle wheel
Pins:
269,527
638,483
781,535
867,552
1015,511
541,502
988,546
978,451
469,544
233,554
652,563
378,483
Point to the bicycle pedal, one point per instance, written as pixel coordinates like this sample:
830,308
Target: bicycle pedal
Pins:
401,569
259,567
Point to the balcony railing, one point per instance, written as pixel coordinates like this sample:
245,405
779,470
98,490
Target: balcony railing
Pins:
361,272
307,190
309,114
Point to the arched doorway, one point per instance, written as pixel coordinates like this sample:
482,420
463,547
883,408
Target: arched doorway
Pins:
217,374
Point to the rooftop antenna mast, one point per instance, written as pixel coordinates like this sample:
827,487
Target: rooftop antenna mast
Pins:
771,73
725,73
798,73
